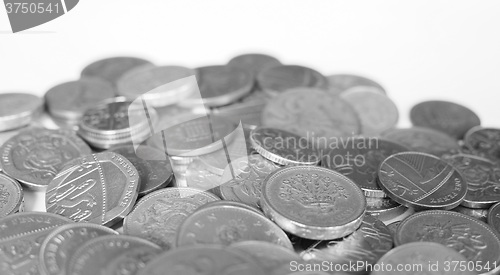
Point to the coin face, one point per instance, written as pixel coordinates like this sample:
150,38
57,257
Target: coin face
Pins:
484,142
475,240
359,160
198,176
421,181
448,117
493,217
99,188
157,216
376,111
313,202
11,196
112,255
277,79
18,110
62,243
253,62
111,69
35,156
21,239
225,225
339,83
313,114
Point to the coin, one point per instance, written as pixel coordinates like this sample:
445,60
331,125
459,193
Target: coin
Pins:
393,227
484,142
153,166
313,114
480,214
99,188
248,113
384,209
423,257
359,160
448,117
60,245
21,238
35,156
376,111
202,260
112,255
199,177
158,216
4,136
423,140
277,79
313,202
283,147
11,196
421,181
493,217
339,83
18,110
111,69
253,62
226,224
223,203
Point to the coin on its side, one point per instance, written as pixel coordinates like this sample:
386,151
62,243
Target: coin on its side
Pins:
313,202
339,83
384,209
493,217
223,203
422,181
484,142
99,188
111,69
253,62
18,110
277,79
11,196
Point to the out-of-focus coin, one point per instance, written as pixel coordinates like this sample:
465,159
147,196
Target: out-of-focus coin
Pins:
11,196
21,236
339,83
18,110
424,140
199,177
384,209
367,244
35,156
313,114
277,79
111,69
63,242
483,180
448,117
153,166
313,202
223,203
202,260
243,178
393,227
283,147
421,181
157,216
99,188
248,113
493,217
225,225
480,214
423,258
4,136
253,62
359,160
376,111
484,142
112,255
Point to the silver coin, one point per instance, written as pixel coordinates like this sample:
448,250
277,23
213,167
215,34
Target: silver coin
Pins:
198,176
484,142
339,83
277,79
18,110
253,62
11,196
111,69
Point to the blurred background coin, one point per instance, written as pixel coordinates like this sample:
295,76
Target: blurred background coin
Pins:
277,79
11,196
484,142
112,68
198,176
253,62
18,110
339,83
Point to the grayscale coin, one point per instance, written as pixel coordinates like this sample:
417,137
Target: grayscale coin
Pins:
339,83
253,62
18,110
384,209
248,113
477,213
223,203
198,176
484,142
111,69
493,217
11,196
277,79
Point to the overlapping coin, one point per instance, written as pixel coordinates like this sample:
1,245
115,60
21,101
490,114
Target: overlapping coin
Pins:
277,79
18,110
11,196
112,68
484,142
339,83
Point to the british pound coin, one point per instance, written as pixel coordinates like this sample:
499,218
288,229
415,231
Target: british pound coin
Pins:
36,155
448,117
253,62
313,202
484,142
63,242
277,79
339,83
18,110
11,196
493,217
22,235
480,214
384,209
99,188
111,69
421,181
158,216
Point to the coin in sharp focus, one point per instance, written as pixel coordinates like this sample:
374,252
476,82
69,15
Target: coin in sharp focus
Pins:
480,214
475,240
283,147
384,209
339,83
424,140
493,217
448,117
199,177
424,258
421,181
36,155
367,244
99,188
112,254
227,224
242,179
111,69
359,160
158,216
208,259
376,111
277,79
253,62
311,113
21,236
63,242
153,166
313,202
11,196
484,142
18,110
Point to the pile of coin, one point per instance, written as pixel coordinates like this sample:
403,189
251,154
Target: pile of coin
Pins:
253,167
